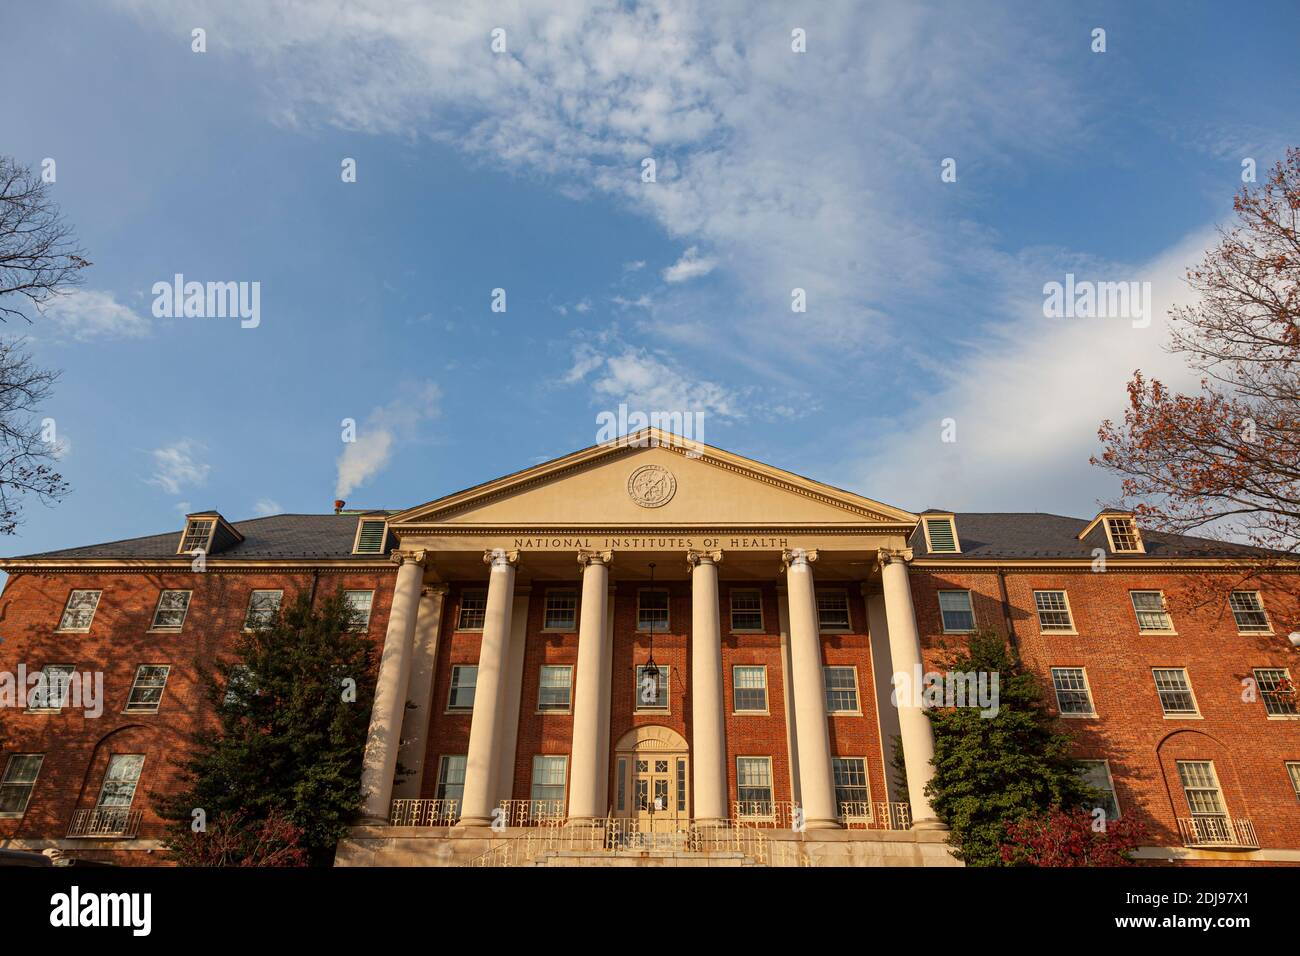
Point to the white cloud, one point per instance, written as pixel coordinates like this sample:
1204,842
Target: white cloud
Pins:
266,507
178,466
648,382
690,266
376,437
84,315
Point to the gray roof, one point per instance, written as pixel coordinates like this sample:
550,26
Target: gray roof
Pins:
985,535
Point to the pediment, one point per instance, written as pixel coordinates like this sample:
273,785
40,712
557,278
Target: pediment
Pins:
652,480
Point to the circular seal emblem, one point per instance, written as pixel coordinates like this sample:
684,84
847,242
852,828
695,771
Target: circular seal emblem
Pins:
652,486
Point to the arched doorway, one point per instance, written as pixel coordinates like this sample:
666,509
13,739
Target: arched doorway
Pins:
652,782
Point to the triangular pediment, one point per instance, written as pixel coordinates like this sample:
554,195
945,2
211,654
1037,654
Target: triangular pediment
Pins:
652,478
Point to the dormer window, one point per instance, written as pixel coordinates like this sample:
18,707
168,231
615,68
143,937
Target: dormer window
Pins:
1123,535
198,535
941,534
371,534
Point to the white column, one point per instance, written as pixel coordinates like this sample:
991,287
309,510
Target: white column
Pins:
415,724
380,761
485,731
508,745
905,654
816,779
708,722
881,671
589,771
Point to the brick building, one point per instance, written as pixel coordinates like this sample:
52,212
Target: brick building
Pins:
684,648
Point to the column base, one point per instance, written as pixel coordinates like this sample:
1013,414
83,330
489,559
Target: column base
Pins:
584,822
822,825
711,822
372,821
474,822
930,823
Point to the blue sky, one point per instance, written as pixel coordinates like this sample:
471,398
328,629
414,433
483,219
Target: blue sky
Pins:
522,170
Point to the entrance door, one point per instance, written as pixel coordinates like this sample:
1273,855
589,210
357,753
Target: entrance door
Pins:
652,788
651,780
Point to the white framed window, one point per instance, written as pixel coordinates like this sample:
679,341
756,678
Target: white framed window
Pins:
1123,535
1248,611
1276,691
841,685
51,691
451,777
547,793
464,677
555,688
169,615
749,689
1152,615
1201,787
120,780
1175,690
754,786
1293,771
955,612
1073,698
79,612
18,782
651,693
147,689
561,613
198,535
833,610
941,535
359,604
747,609
1096,774
1053,612
852,791
473,609
371,535
652,609
263,606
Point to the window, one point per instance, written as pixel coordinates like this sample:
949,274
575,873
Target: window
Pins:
170,613
941,535
833,610
359,603
371,533
263,606
652,610
473,610
547,793
681,784
1277,692
146,692
749,689
1096,774
1073,698
451,778
1149,606
1175,691
1123,536
51,690
1053,611
79,611
554,688
651,693
198,535
18,782
852,795
1201,785
463,679
955,609
746,609
1292,769
841,689
561,610
1248,610
754,786
120,780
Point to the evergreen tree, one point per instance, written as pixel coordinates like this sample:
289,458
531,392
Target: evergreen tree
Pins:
992,771
294,708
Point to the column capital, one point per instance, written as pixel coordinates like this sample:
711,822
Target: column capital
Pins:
694,557
499,557
798,557
588,556
887,556
409,556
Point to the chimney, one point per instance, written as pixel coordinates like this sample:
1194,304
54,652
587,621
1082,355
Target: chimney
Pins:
338,505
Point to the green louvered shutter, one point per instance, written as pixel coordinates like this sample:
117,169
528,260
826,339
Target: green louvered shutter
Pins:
942,538
371,538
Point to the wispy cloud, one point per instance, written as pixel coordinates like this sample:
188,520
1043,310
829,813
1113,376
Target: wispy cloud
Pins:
649,382
85,315
264,507
690,266
415,405
178,466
